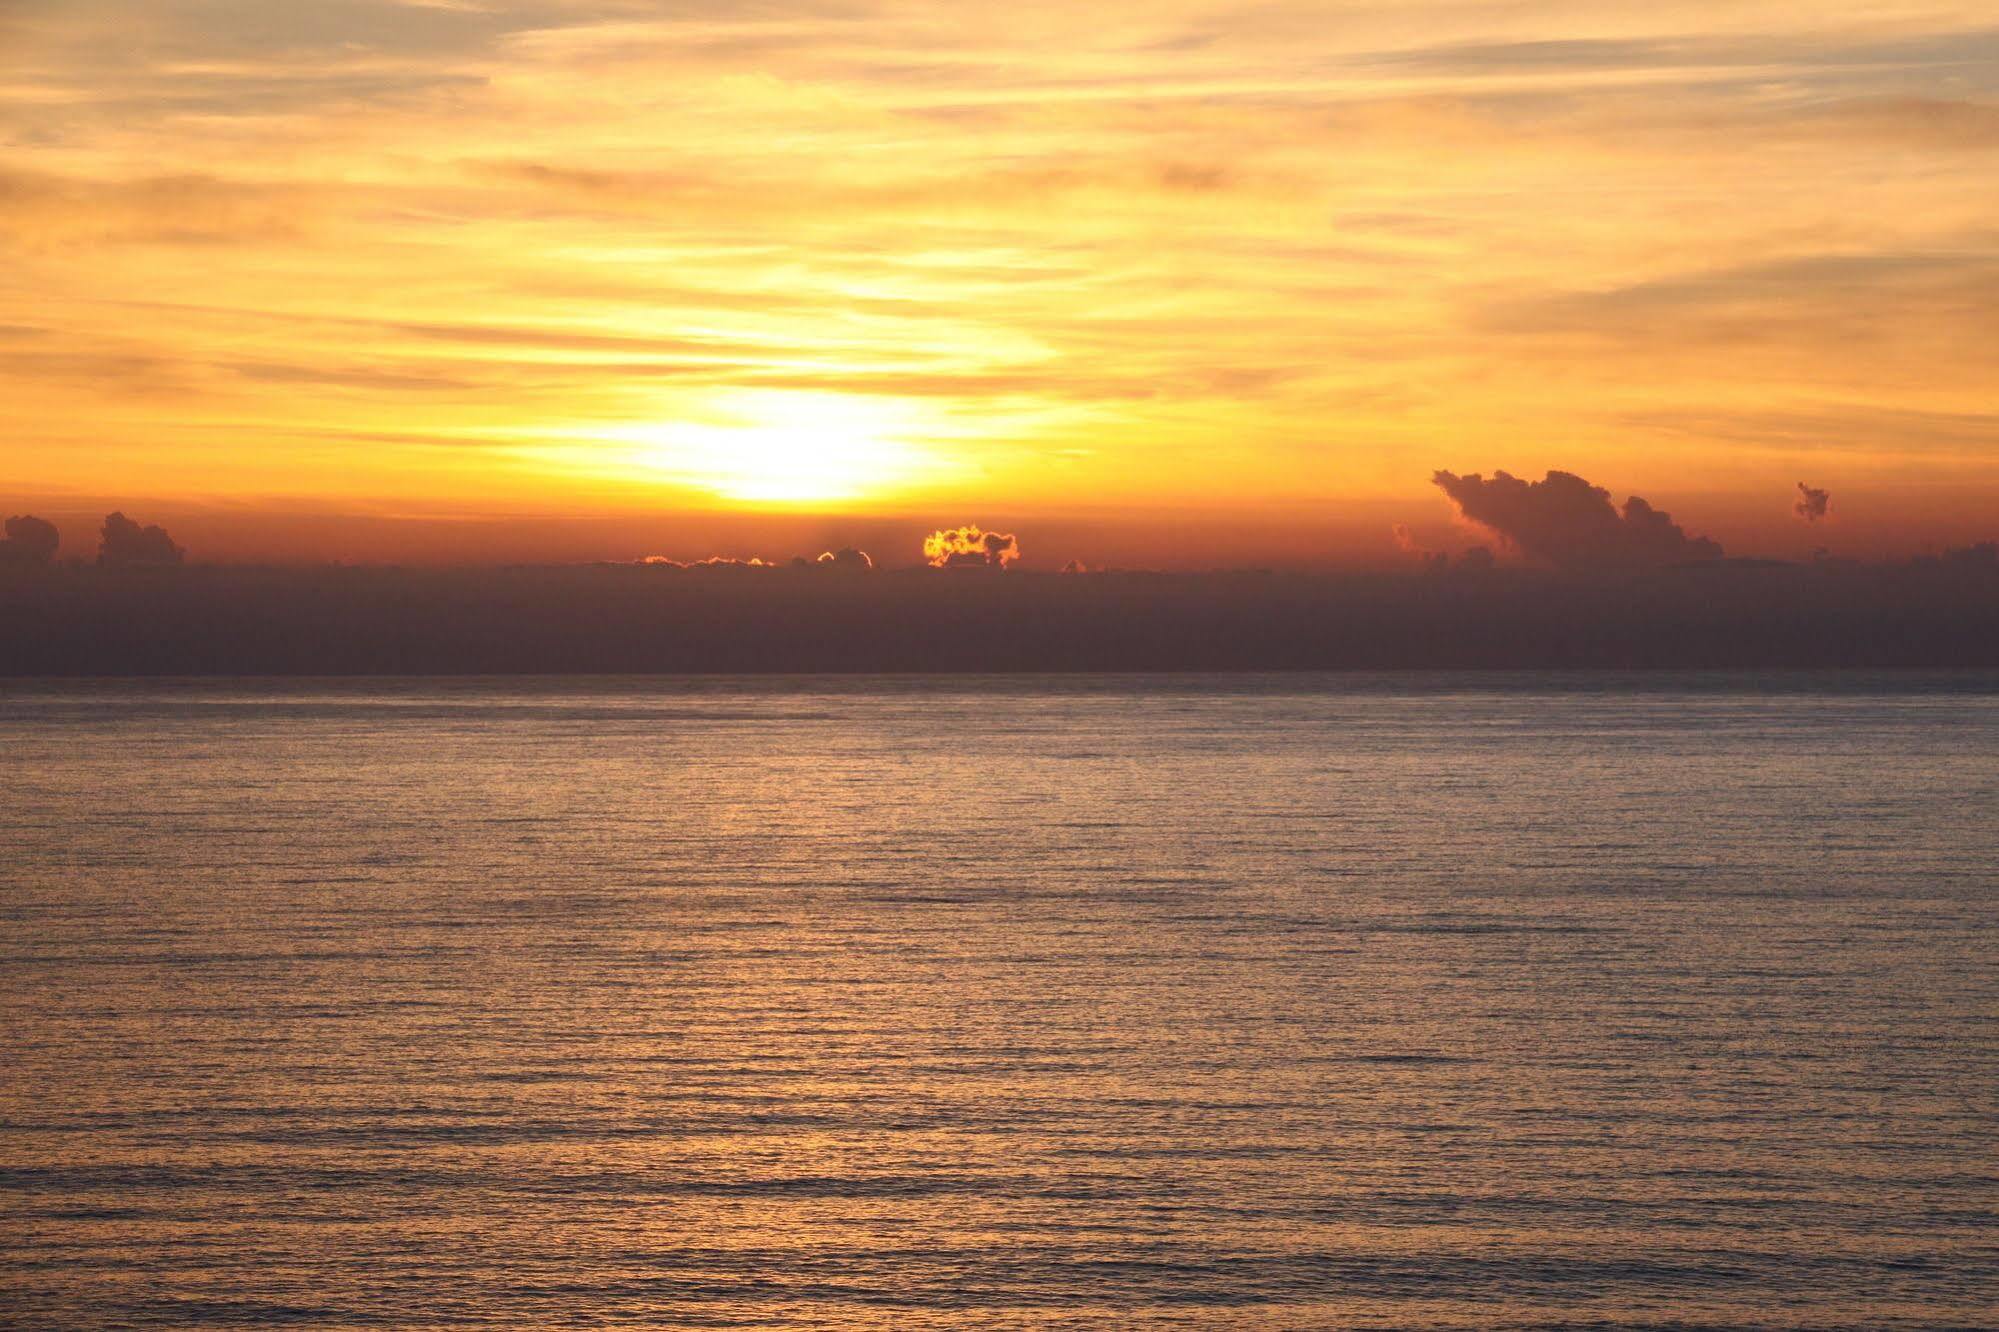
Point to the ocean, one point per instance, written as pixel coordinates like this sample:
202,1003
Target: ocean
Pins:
1483,1001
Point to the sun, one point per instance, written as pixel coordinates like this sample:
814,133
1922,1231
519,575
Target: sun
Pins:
780,447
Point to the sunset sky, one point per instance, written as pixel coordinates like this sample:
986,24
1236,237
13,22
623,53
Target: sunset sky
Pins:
1164,282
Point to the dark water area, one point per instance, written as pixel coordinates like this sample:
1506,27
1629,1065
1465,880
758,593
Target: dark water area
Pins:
1253,1001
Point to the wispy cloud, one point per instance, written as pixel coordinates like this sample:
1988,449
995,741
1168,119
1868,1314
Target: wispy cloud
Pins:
1180,252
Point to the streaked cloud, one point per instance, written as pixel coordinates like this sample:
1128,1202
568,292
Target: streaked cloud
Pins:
1181,254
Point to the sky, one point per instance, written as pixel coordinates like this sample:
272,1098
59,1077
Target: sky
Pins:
1164,283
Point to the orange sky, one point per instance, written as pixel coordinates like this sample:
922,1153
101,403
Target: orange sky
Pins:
1166,282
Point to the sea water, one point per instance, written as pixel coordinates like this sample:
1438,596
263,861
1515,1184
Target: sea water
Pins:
1264,1001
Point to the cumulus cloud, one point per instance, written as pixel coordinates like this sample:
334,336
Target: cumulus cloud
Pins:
31,541
1813,504
1572,524
124,543
847,560
970,547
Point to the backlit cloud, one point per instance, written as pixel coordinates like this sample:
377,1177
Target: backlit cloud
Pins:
723,562
30,541
1565,521
846,560
970,547
1813,504
125,543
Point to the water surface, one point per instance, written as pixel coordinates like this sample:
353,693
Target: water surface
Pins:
1482,1001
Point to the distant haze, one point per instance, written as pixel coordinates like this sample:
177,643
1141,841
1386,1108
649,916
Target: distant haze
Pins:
812,616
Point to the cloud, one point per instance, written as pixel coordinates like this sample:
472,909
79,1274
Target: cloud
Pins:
1565,521
1406,542
1591,55
31,541
43,210
1813,504
1911,121
970,547
126,543
846,560
1171,235
1834,427
356,378
1439,561
1867,320
1696,58
713,562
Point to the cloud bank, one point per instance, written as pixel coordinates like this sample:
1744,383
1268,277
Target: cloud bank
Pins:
1569,523
844,560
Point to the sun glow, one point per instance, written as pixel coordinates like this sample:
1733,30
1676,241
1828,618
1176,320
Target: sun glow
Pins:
771,447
